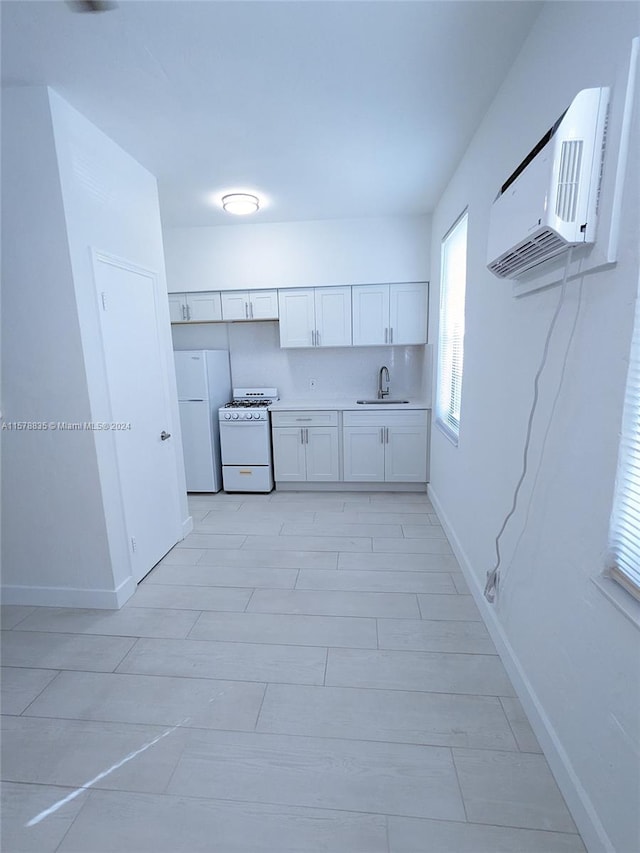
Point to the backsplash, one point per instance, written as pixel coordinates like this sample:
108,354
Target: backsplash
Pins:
257,359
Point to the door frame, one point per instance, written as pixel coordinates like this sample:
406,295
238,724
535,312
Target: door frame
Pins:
105,441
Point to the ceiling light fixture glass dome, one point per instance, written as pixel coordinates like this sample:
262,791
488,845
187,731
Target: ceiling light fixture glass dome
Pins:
240,203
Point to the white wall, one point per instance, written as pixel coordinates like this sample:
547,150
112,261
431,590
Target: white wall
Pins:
573,654
298,254
72,189
54,533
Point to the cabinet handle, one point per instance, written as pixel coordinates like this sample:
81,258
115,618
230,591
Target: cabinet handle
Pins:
188,311
381,435
301,435
386,335
317,338
306,435
246,310
391,335
386,435
251,310
184,312
304,419
313,338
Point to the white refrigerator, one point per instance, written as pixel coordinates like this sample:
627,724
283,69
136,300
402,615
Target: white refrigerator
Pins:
204,385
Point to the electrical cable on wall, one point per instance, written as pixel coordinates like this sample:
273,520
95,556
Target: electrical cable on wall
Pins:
491,586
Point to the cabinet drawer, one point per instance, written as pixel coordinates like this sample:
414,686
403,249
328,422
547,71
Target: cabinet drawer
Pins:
297,419
388,417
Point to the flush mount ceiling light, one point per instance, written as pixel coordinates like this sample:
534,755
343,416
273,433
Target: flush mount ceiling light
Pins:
240,203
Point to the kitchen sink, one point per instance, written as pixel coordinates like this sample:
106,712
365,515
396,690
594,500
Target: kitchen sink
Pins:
381,402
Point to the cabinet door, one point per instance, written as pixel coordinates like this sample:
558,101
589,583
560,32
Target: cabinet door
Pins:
406,454
263,305
408,313
322,453
235,305
288,454
363,454
370,314
297,317
177,308
203,307
333,316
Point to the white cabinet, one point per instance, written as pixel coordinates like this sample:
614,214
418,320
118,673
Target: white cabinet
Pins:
204,307
389,447
389,314
177,307
315,317
305,446
250,305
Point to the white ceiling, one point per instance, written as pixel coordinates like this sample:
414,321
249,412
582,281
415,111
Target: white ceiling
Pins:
328,109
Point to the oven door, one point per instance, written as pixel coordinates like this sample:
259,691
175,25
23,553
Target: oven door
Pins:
245,443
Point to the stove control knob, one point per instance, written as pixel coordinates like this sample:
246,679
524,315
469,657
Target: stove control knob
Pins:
227,416
249,416
235,416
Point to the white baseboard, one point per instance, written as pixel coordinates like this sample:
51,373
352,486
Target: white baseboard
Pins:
343,486
187,526
582,809
63,596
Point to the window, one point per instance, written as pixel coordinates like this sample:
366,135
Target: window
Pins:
453,279
625,518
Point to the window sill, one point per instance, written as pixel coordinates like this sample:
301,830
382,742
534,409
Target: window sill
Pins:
447,432
619,597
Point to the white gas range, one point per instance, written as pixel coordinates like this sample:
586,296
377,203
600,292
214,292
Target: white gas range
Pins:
245,440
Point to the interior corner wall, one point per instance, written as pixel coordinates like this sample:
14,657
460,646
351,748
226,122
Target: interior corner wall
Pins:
573,655
298,254
54,541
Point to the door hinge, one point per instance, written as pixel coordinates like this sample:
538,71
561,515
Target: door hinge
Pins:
134,544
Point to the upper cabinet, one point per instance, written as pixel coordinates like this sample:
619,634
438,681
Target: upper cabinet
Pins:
315,317
202,307
389,314
250,305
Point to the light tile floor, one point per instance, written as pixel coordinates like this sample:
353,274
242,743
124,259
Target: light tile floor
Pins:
306,672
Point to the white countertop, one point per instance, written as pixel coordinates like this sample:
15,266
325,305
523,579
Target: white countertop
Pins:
344,404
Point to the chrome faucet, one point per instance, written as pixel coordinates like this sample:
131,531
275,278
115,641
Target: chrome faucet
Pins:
382,394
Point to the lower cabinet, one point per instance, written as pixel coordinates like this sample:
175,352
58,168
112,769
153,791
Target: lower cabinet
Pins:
389,447
305,446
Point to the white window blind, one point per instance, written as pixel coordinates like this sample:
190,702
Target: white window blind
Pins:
625,517
453,280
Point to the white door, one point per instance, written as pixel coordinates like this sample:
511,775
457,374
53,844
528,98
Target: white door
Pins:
245,443
196,444
177,310
204,307
263,305
408,313
406,454
370,314
136,370
333,316
191,374
235,305
297,318
321,444
288,454
364,454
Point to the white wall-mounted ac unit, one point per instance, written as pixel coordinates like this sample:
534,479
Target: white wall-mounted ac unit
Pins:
550,202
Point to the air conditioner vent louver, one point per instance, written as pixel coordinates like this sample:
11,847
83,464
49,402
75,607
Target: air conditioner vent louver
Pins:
540,247
569,180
